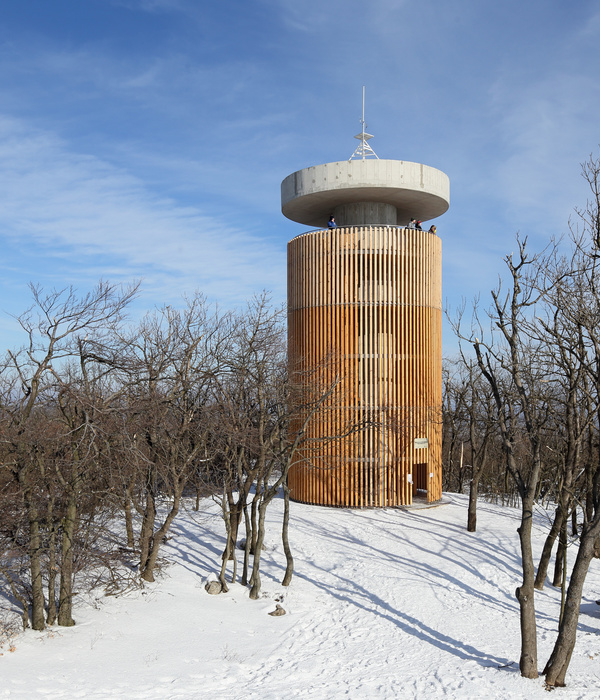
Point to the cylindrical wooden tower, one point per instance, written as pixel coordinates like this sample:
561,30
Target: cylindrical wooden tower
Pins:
364,317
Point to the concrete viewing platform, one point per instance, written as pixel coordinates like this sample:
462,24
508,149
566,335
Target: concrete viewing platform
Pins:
359,192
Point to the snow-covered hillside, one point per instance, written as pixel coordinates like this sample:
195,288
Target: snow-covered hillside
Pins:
384,604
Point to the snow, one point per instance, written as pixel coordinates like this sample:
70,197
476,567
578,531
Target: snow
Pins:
385,603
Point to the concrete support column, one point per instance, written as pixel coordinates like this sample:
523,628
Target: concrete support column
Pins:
365,214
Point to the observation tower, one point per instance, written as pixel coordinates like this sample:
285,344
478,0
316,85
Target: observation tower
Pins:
364,313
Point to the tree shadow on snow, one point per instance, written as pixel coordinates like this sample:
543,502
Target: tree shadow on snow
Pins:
407,623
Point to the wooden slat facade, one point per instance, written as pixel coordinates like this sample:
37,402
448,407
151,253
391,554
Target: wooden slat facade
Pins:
367,300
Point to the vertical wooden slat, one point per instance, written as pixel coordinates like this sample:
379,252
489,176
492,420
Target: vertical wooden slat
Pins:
369,297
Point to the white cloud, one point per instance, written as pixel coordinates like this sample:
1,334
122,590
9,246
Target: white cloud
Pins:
99,220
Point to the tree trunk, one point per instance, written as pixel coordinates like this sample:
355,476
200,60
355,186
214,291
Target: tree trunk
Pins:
231,518
253,522
224,560
472,512
147,529
589,488
246,546
129,523
556,668
560,555
226,514
235,515
52,568
525,596
65,600
147,573
289,570
459,488
255,590
574,527
542,571
37,584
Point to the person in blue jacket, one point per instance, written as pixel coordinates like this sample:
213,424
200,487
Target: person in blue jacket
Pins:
331,223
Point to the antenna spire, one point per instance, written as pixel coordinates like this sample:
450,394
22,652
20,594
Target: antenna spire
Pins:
363,150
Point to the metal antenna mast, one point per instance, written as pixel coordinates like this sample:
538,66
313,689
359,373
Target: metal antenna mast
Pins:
363,150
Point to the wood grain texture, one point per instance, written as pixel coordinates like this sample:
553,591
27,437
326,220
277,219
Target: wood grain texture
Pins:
364,304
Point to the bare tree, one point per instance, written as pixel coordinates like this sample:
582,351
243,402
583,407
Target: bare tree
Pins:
508,364
454,426
251,397
263,411
542,363
53,325
582,314
565,376
172,368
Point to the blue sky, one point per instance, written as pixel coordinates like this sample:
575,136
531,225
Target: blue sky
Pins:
147,139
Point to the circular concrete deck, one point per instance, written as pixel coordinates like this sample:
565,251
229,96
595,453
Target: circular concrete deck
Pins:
311,195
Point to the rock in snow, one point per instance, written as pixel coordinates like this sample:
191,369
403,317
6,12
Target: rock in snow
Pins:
278,611
213,587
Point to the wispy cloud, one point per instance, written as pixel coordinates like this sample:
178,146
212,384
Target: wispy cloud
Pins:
546,132
335,16
152,5
76,206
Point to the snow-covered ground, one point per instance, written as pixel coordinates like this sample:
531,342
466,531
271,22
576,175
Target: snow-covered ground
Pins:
384,604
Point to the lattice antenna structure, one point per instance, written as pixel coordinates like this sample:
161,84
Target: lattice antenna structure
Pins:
363,150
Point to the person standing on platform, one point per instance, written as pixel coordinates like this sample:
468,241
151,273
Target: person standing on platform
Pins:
331,223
